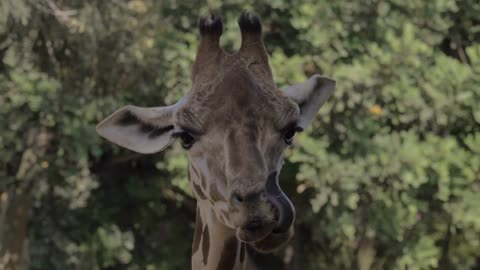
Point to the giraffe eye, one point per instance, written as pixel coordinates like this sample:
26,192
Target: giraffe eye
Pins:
187,140
289,133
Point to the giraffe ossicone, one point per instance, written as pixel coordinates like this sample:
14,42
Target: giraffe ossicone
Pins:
234,124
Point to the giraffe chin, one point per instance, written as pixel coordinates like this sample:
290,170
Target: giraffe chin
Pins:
249,236
273,242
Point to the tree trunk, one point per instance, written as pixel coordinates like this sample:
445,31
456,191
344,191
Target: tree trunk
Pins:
16,202
15,214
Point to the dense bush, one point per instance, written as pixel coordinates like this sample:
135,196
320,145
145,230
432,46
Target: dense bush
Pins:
388,177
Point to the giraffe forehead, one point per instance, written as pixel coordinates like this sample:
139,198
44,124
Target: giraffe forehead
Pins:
237,95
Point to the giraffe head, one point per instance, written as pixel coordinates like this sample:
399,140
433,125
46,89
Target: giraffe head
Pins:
234,124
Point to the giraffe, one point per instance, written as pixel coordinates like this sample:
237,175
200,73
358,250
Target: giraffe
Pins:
234,124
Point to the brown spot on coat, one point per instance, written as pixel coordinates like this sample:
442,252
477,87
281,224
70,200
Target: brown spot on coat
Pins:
198,232
197,175
229,253
198,191
205,245
215,194
222,219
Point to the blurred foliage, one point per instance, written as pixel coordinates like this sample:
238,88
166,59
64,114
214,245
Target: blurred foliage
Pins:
387,177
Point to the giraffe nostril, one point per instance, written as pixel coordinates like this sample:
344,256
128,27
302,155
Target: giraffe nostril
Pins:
237,198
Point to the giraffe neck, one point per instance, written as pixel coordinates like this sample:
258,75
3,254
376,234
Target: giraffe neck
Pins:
215,246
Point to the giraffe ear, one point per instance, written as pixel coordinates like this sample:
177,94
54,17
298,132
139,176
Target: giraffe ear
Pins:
310,96
143,130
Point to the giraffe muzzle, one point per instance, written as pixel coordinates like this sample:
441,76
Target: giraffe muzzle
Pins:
285,208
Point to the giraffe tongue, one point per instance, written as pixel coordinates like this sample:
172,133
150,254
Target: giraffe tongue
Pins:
286,211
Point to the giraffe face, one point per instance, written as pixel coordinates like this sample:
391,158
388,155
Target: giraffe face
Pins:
235,133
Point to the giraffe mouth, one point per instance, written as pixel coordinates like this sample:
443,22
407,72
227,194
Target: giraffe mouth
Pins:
250,235
273,242
265,239
283,215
